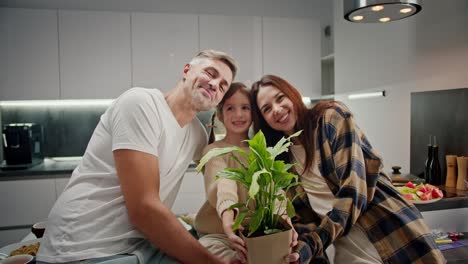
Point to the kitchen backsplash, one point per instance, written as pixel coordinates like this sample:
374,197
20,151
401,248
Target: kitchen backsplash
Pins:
442,114
67,130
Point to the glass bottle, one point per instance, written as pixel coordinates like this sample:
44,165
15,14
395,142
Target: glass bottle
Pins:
435,170
427,164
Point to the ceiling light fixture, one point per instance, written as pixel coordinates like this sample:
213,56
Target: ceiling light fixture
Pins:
375,11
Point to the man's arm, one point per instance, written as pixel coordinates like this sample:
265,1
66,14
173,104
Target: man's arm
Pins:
138,173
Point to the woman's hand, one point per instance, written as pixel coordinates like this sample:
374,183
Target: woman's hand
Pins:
293,257
236,242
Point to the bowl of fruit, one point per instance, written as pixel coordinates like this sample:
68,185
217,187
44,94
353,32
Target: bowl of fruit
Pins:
421,193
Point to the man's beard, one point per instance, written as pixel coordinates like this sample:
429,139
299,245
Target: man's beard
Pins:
200,102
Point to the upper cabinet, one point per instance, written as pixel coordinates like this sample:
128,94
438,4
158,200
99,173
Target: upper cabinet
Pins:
291,50
161,45
84,54
240,37
95,54
29,67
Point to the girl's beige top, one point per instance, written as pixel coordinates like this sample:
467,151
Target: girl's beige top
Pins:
220,193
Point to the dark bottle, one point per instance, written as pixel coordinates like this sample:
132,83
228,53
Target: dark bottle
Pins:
435,170
427,164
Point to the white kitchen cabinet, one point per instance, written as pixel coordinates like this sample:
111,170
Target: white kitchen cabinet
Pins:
191,194
161,45
25,202
291,50
29,54
60,184
95,54
239,36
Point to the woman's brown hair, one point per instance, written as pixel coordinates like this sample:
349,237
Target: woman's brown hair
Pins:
307,119
235,86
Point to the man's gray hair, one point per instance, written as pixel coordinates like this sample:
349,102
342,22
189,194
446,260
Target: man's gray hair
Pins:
216,55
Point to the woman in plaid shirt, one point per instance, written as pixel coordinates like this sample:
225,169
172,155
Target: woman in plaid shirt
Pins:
345,200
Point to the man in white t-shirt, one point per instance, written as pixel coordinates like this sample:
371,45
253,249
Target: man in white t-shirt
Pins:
115,209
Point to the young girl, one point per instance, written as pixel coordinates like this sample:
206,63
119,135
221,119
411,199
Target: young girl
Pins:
214,221
346,199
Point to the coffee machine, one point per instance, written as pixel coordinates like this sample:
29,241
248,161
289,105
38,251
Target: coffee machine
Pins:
22,145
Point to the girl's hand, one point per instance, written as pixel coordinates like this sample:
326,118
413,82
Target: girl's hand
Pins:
236,242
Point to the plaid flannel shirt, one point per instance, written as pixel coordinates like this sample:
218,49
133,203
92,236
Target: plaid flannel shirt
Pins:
364,195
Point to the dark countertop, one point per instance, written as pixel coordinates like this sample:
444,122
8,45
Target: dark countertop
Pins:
60,167
50,168
453,198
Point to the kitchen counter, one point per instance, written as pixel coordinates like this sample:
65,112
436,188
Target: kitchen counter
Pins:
453,198
50,168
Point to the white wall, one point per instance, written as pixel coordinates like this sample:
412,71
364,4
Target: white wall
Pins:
428,51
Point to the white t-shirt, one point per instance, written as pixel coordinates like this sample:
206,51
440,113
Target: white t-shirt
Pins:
89,219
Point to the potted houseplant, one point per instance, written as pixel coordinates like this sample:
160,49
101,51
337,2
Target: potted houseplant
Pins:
266,180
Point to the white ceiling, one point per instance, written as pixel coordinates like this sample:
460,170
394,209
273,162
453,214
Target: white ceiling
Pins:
316,9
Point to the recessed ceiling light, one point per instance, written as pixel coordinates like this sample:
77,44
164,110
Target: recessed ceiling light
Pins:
384,19
405,10
358,18
377,8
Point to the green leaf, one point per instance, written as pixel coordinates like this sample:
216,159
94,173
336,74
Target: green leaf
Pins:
231,175
234,157
295,134
254,187
215,153
240,218
290,209
272,231
282,145
256,220
236,205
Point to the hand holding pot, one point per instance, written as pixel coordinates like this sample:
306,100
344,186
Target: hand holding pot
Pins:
294,256
236,242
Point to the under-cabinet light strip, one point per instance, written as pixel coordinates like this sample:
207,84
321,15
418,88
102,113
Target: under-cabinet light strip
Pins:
366,95
52,103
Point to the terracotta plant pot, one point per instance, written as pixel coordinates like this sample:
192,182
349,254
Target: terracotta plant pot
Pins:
270,249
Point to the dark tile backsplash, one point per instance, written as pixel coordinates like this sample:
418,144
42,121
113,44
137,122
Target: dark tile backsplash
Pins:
442,114
67,130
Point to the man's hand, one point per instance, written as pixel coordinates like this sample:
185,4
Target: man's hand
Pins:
236,242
